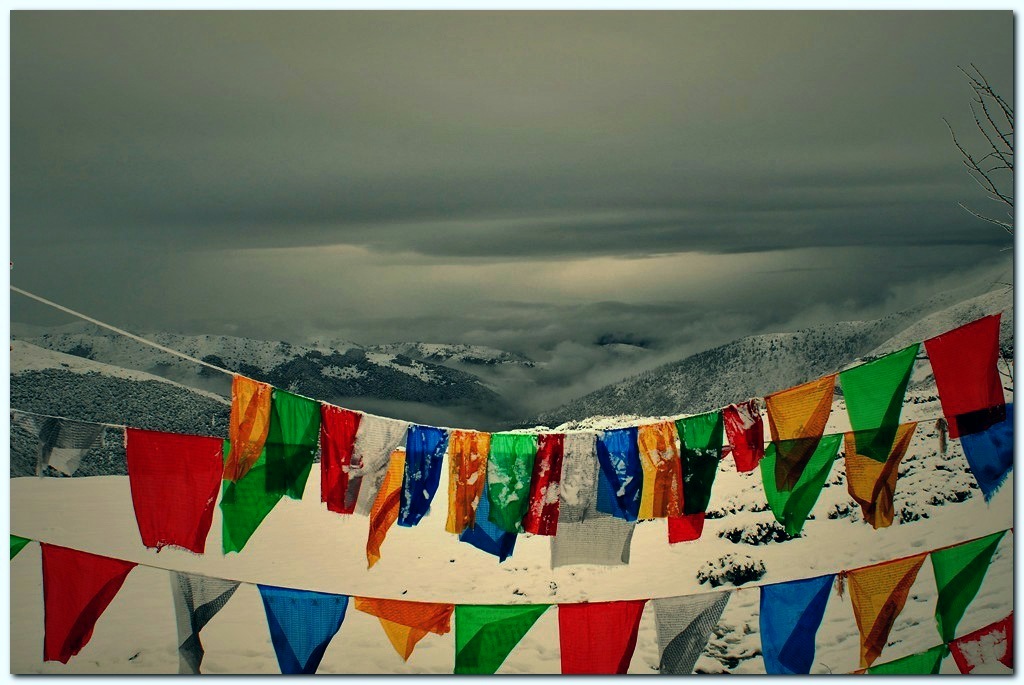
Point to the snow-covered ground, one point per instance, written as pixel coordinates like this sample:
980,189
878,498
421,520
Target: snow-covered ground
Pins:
303,545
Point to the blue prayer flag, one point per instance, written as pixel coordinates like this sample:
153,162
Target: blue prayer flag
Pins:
302,624
990,454
486,535
621,478
790,616
424,451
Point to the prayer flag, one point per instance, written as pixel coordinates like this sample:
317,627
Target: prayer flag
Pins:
376,439
578,488
990,454
684,625
424,454
174,481
486,634
790,616
592,537
77,588
301,624
879,594
621,473
791,507
927,662
509,469
291,442
701,450
874,395
599,637
385,508
744,429
873,484
485,535
686,528
17,544
964,362
959,572
61,442
542,514
244,504
197,599
467,475
662,493
797,418
406,623
337,441
978,652
250,422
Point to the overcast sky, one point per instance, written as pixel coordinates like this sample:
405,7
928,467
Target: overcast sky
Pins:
531,181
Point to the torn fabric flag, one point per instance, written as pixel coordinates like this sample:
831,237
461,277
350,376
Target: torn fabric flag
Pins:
250,422
684,625
959,572
467,475
980,651
797,418
990,454
376,439
385,508
744,430
197,599
77,588
578,488
542,514
662,493
17,544
598,638
291,442
701,449
621,474
486,634
302,624
244,504
406,623
878,594
874,395
174,481
790,616
61,442
424,455
872,484
337,441
791,507
964,362
927,662
485,535
509,469
686,528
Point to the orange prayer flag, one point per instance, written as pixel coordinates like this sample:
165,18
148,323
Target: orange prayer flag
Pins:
467,473
250,423
878,594
659,456
385,507
872,483
406,623
797,419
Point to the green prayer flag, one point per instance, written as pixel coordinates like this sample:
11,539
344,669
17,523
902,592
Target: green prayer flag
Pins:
927,662
245,503
292,440
17,544
701,439
486,635
509,470
958,574
791,507
874,394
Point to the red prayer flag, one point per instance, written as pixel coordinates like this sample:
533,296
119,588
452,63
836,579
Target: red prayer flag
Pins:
984,646
598,638
542,515
337,439
964,363
685,528
744,431
174,480
77,587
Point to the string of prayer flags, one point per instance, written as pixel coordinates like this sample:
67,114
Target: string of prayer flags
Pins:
485,535
337,441
872,484
542,513
61,443
990,454
744,430
197,599
790,616
684,625
701,449
424,455
385,508
927,662
17,544
959,572
467,475
245,503
77,588
598,638
874,394
980,651
964,362
406,623
250,422
509,470
620,482
797,419
291,442
662,493
686,528
302,624
486,634
879,594
791,507
578,488
376,439
174,481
